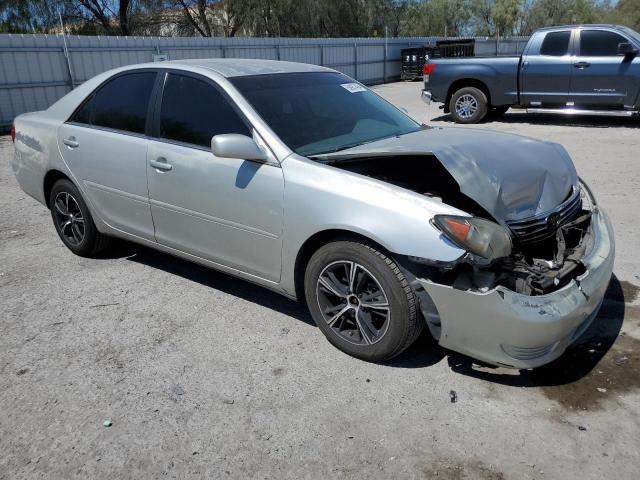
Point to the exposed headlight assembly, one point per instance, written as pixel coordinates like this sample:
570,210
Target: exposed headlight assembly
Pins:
476,235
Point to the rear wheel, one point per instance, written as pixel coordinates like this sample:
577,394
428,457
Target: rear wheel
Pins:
361,301
73,221
468,105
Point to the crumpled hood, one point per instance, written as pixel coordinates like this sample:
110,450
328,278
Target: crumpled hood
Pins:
512,177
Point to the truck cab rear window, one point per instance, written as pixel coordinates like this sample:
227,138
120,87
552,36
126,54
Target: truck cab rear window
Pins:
555,44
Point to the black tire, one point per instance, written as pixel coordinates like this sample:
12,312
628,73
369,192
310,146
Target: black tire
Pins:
403,322
73,221
479,104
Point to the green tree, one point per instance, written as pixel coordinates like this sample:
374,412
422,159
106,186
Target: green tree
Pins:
626,12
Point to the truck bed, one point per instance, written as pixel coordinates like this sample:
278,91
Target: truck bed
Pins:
500,72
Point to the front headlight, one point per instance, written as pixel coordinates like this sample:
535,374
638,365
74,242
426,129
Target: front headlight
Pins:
479,236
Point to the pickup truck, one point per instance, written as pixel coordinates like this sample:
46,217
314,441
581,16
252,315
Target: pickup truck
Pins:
576,69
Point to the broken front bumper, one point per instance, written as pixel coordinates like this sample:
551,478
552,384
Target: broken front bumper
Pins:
506,328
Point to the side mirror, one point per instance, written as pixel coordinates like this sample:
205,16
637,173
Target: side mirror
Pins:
626,48
234,145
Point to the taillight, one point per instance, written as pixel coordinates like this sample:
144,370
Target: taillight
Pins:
13,133
428,68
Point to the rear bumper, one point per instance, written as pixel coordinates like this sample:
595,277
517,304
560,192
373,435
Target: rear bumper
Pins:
506,328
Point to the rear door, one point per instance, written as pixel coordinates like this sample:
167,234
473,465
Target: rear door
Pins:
545,72
105,147
601,77
226,210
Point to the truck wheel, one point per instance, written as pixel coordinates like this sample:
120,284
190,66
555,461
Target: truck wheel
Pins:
468,105
361,301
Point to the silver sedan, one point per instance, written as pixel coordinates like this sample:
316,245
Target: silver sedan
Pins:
300,179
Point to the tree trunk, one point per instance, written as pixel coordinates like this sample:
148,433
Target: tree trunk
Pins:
123,15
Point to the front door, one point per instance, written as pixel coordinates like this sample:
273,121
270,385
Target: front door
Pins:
226,210
546,75
601,77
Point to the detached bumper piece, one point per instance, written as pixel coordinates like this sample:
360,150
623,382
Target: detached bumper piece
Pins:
503,327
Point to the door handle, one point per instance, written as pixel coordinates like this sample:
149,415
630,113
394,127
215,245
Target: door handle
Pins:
582,65
71,142
161,164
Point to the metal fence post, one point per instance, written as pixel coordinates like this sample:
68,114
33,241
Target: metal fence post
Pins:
384,63
321,55
355,59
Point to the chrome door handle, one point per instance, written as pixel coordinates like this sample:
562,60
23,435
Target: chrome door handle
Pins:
161,164
582,65
71,142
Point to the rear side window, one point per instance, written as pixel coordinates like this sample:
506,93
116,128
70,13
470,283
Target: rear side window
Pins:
598,43
555,44
121,103
193,111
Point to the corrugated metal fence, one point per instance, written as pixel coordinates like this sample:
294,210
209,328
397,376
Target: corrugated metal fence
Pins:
34,71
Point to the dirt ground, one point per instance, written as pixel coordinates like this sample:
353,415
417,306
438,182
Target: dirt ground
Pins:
203,375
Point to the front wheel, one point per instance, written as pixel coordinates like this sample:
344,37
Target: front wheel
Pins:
361,301
468,105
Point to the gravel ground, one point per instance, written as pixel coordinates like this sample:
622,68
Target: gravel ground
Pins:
203,375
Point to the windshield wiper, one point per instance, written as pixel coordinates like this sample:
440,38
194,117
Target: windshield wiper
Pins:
356,144
340,148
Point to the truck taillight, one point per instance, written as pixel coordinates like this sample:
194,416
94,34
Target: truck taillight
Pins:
428,68
13,133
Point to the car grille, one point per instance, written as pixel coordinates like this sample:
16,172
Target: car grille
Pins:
544,225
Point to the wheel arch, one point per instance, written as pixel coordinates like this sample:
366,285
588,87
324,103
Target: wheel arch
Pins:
317,240
466,82
50,178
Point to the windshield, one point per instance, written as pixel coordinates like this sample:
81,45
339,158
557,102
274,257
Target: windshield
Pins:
320,112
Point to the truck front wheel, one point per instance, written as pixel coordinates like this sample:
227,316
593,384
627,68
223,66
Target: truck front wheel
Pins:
468,105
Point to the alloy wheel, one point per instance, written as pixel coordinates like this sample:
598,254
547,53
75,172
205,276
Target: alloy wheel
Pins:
69,218
466,106
353,302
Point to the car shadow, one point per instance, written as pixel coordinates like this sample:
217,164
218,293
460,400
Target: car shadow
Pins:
579,360
210,278
517,117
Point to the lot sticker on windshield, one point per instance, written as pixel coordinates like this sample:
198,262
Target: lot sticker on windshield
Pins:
353,87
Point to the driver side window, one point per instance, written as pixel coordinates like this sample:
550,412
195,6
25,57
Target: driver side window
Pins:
598,43
193,111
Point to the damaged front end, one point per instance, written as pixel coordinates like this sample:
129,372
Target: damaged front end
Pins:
543,259
519,306
524,310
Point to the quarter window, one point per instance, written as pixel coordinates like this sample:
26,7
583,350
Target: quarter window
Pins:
599,43
121,103
193,111
555,44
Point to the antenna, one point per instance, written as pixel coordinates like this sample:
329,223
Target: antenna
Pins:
66,51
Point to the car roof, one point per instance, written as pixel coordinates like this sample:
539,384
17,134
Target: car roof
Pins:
239,67
583,25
